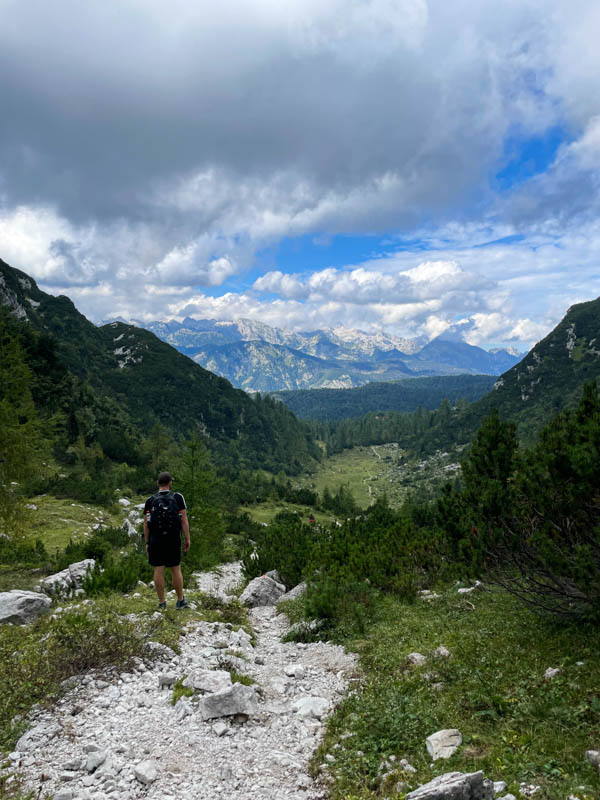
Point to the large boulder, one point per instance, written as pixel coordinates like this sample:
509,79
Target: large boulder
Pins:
454,786
69,579
208,681
444,743
20,607
309,706
239,699
262,591
297,591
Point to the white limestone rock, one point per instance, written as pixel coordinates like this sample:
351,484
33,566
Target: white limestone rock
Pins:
70,579
295,671
309,706
262,591
593,756
444,743
129,528
208,681
124,502
238,699
426,594
21,607
551,672
453,786
146,771
294,593
275,576
64,794
95,759
220,729
183,709
416,659
37,737
167,679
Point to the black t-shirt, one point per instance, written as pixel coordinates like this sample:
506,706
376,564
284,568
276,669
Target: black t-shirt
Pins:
179,499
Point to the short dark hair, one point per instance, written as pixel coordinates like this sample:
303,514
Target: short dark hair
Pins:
164,478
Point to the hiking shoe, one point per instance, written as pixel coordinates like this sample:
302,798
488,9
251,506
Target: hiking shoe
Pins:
181,603
163,605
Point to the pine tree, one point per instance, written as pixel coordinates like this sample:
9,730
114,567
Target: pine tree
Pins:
22,444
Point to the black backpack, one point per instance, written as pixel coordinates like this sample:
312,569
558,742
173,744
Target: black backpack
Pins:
164,515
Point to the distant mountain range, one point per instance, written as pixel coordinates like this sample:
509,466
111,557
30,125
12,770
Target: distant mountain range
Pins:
259,358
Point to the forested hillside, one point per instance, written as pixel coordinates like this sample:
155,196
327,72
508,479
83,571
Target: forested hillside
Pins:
113,385
402,395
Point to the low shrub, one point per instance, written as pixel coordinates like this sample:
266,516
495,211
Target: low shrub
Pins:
285,545
118,573
26,554
76,641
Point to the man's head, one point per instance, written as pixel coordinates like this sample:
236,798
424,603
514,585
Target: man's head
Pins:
165,479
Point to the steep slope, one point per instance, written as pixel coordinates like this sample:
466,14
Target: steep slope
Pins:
152,382
549,379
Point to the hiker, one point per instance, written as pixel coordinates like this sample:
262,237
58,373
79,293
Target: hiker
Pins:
165,516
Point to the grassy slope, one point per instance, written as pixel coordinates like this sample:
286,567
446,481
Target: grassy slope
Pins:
516,725
55,522
370,471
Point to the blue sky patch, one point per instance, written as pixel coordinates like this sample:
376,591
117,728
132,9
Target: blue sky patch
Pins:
526,157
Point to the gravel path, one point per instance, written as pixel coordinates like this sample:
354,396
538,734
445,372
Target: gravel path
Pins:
122,739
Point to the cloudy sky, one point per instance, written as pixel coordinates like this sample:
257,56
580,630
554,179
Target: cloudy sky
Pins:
393,165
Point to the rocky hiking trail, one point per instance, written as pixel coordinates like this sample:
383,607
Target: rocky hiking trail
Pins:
119,736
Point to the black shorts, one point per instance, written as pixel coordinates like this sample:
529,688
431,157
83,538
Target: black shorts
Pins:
164,551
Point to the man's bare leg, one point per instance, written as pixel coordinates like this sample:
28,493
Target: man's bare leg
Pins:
159,583
177,579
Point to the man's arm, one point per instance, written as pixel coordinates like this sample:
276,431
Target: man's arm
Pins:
185,527
146,528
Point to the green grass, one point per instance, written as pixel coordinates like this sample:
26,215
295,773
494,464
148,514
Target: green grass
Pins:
266,512
15,577
370,472
58,520
358,468
238,677
516,725
179,690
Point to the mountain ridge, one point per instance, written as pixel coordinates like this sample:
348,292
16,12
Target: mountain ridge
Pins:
257,357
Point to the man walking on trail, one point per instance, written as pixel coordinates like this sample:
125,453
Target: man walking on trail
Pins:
165,516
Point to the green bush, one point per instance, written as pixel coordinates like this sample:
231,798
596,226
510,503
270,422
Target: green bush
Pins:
207,535
286,545
118,573
27,554
74,642
535,515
